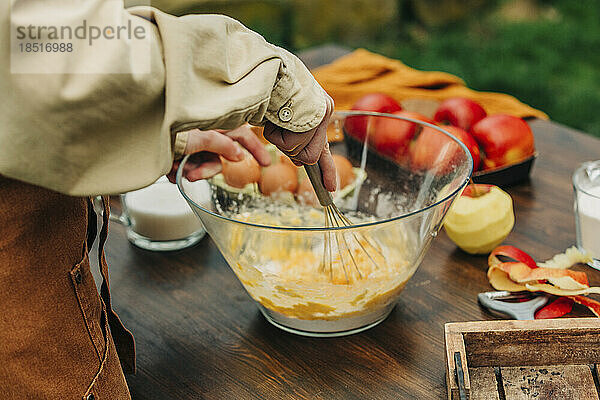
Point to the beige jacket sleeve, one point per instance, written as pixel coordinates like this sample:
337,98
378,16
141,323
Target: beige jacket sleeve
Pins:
92,133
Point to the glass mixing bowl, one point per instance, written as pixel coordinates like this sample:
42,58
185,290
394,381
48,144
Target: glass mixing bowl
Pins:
278,249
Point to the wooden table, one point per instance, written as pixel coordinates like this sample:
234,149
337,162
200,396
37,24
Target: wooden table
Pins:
200,336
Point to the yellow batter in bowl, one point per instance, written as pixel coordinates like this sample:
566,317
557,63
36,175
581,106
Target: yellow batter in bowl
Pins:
285,272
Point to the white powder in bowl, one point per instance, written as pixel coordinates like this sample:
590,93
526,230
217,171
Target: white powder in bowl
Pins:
589,220
159,211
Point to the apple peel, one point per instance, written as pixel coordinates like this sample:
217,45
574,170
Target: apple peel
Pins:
553,277
520,273
557,291
592,304
565,260
511,252
500,281
558,308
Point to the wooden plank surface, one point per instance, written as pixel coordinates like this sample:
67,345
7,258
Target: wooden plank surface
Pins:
573,382
483,381
200,336
559,346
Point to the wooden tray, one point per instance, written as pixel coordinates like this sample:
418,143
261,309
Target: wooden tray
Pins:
541,359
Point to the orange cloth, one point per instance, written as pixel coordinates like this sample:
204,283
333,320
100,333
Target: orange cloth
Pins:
362,72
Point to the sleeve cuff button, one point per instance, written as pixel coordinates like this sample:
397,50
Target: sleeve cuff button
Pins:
285,114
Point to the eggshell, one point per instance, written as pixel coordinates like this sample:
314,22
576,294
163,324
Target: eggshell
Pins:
239,174
278,178
344,170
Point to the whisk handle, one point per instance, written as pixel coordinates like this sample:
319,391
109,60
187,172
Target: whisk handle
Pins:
316,179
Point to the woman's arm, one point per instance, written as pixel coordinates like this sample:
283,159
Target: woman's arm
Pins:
92,132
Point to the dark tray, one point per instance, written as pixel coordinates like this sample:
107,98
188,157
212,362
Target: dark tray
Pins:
504,176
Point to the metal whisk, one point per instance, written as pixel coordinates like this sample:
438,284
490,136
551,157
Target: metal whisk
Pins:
352,247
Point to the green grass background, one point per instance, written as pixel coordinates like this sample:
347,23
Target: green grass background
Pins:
550,63
546,53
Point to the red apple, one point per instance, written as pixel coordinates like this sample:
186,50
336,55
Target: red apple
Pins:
459,111
476,189
377,102
468,141
433,149
415,115
392,136
504,139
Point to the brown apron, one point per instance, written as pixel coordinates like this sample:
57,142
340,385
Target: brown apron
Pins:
58,338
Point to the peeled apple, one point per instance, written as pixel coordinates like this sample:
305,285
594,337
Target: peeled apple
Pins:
480,219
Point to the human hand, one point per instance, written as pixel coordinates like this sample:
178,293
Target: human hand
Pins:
207,146
307,147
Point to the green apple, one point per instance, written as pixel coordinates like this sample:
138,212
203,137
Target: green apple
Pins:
480,219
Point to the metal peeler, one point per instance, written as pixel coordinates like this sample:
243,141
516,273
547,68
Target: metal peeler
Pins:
500,301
